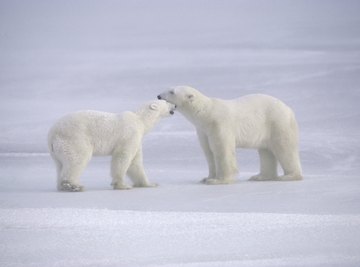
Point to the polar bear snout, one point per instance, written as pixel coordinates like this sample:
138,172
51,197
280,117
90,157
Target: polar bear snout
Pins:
163,96
172,108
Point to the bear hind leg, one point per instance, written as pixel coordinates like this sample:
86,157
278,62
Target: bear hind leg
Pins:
69,178
268,166
290,162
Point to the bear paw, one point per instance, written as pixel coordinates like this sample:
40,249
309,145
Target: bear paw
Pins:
66,186
146,185
260,177
151,185
214,181
289,177
121,186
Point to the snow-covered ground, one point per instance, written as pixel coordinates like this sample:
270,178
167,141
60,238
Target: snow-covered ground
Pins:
57,57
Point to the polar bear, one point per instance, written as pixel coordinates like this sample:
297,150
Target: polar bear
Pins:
75,138
252,121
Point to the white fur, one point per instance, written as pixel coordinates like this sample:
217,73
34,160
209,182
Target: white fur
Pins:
252,121
75,138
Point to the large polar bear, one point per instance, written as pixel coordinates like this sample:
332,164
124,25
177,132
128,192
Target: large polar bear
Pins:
75,138
252,121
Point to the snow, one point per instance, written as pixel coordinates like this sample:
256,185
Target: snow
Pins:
58,57
184,239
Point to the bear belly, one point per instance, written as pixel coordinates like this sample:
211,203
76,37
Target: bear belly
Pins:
252,139
103,146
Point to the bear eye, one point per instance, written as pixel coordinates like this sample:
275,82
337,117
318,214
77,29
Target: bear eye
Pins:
172,92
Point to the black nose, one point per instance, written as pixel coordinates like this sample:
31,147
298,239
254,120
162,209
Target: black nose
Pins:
159,97
172,112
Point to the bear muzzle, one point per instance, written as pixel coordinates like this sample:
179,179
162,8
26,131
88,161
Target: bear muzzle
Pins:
172,111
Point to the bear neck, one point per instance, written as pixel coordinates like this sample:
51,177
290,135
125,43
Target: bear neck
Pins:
198,111
148,119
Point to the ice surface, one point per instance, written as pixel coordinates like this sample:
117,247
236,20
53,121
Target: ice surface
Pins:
58,57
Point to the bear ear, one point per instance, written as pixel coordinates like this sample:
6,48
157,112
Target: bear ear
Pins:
153,106
190,97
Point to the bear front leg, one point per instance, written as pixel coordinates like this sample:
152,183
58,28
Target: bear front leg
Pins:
136,172
119,165
287,153
204,142
224,151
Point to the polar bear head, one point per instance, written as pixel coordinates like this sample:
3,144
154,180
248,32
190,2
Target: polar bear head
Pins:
160,108
189,101
151,112
182,97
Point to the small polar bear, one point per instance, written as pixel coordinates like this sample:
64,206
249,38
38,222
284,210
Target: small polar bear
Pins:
252,121
75,138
